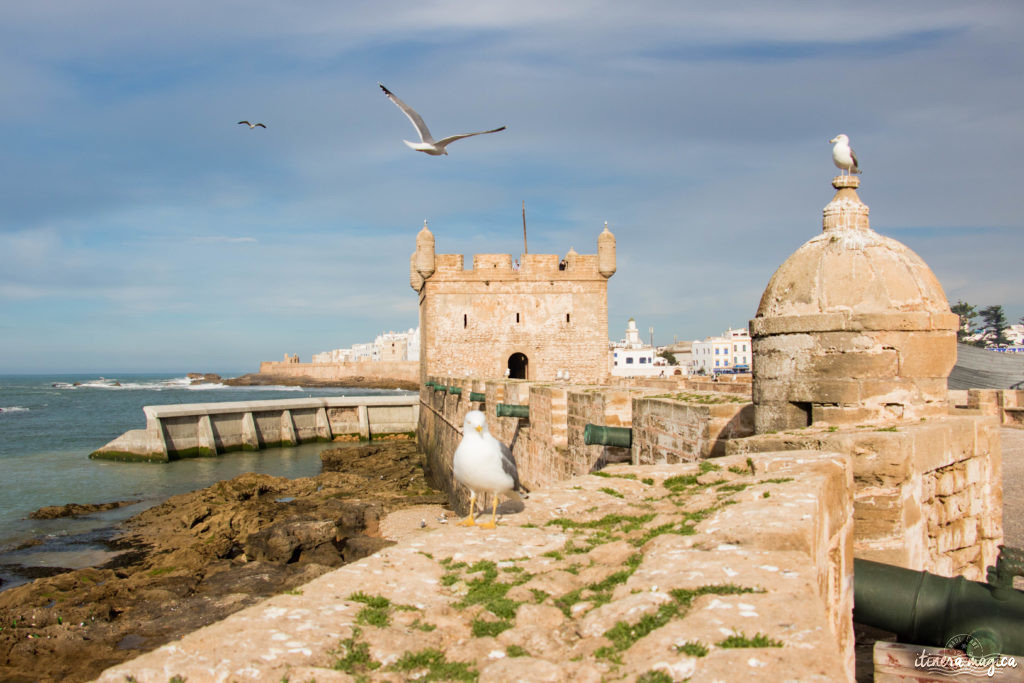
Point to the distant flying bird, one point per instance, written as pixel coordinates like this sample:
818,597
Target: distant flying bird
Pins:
484,465
252,125
843,156
427,144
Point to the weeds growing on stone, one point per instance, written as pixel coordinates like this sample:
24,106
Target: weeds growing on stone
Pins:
354,656
624,634
483,628
609,475
740,640
611,492
654,676
516,651
694,648
376,611
431,665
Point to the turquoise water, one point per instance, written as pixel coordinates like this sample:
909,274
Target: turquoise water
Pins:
50,424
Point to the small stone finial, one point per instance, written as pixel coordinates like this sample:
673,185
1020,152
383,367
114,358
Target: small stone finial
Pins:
846,211
606,252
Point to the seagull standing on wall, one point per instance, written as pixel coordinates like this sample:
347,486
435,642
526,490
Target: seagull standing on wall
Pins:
842,154
484,465
427,144
252,125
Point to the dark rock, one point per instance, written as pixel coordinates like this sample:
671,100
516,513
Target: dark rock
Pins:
77,509
201,556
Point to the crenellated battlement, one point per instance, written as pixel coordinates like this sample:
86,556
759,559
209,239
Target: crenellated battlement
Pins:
452,267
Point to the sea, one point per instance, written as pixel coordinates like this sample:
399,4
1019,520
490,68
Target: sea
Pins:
50,423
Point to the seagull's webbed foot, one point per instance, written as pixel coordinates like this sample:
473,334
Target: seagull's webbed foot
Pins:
494,514
469,521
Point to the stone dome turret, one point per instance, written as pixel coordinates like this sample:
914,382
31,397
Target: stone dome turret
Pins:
853,326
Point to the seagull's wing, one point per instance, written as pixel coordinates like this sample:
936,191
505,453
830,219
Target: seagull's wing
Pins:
245,122
856,165
421,127
508,463
260,125
443,142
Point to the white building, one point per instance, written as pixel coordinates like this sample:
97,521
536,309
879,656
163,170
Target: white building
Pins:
387,346
731,352
632,358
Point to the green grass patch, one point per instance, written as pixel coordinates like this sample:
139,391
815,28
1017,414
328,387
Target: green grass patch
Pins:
354,656
623,634
376,611
611,492
516,651
732,487
654,676
680,482
776,480
483,629
539,596
759,640
623,523
887,429
706,467
431,665
648,481
694,648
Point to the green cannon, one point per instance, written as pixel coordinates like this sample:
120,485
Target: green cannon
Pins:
455,391
925,609
428,385
511,410
477,396
607,436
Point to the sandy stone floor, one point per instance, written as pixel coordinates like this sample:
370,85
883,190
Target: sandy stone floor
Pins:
1013,487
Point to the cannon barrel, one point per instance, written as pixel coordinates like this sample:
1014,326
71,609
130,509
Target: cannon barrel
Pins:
607,436
477,396
511,410
925,609
455,391
428,385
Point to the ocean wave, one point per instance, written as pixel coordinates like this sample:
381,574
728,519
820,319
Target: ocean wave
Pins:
13,409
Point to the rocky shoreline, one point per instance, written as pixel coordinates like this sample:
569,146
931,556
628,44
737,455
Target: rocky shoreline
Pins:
266,379
201,556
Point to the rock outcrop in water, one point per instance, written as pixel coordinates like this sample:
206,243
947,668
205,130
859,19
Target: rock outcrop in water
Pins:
201,556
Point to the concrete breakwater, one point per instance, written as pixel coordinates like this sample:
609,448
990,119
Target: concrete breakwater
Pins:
208,429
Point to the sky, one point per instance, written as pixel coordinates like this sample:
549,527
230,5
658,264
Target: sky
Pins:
143,230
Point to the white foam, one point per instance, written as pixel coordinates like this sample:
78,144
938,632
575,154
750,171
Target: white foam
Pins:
13,409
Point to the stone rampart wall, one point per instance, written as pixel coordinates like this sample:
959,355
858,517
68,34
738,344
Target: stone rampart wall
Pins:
928,494
404,370
1007,405
671,431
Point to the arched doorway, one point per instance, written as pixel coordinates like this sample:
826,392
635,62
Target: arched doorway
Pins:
518,366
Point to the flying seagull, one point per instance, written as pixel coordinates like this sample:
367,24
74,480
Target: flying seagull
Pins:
252,125
484,465
427,144
843,156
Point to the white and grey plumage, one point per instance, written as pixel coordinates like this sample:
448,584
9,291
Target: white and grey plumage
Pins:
252,125
484,465
842,154
427,144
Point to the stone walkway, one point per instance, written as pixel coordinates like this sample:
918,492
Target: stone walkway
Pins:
1013,487
671,569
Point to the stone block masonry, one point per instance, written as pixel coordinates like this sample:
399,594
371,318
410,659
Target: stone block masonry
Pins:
399,370
607,577
928,494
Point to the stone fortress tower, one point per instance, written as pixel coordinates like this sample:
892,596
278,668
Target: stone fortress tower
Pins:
853,327
532,319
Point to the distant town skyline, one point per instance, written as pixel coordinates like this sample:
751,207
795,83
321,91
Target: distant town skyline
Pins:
142,229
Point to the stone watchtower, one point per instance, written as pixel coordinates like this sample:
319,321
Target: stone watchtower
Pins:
543,314
853,327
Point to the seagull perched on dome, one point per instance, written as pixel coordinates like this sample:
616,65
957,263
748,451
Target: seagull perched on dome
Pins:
484,465
252,125
842,154
427,144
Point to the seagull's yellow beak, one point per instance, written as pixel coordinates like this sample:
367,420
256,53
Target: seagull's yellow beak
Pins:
479,428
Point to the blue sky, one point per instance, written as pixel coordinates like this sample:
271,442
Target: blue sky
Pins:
142,229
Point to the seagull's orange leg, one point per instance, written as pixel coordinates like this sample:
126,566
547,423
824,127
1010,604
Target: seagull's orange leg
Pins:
468,521
494,513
